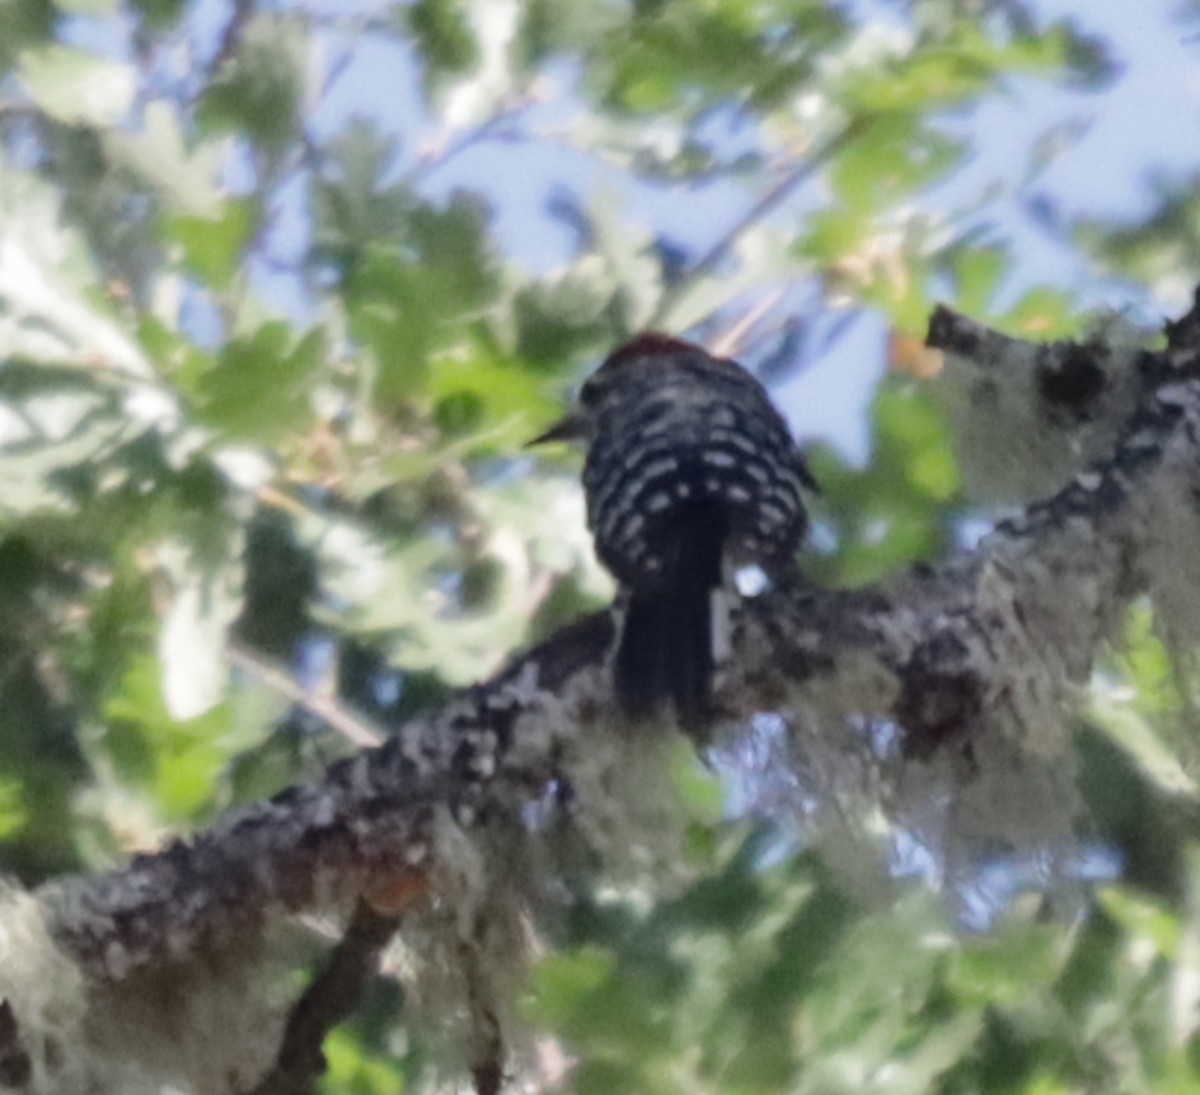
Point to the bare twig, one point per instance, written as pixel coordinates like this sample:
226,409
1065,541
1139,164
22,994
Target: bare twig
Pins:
16,1068
16,108
487,1038
729,343
766,205
443,153
231,36
332,996
355,728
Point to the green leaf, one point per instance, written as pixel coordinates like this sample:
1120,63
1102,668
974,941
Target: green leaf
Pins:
488,398
936,77
960,66
178,763
408,303
563,315
894,156
353,204
832,234
261,387
24,25
628,254
1144,920
1044,313
564,985
1003,970
350,1072
14,810
979,271
260,89
51,308
185,178
76,86
895,511
689,54
698,788
205,599
160,14
49,434
213,247
89,7
442,35
1140,739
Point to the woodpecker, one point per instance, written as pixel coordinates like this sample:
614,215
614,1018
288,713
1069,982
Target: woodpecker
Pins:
690,473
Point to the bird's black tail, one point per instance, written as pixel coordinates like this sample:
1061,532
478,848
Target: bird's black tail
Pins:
665,652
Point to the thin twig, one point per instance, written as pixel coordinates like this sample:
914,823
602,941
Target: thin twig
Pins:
15,108
16,1066
487,1038
231,37
355,728
334,993
507,110
730,341
767,204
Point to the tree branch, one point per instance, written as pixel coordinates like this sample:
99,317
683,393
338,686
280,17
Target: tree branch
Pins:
352,726
374,817
332,997
971,668
1027,416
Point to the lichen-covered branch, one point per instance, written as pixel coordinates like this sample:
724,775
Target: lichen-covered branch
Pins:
1000,636
973,664
1025,415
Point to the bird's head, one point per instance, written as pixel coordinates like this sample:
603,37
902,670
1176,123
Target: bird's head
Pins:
644,352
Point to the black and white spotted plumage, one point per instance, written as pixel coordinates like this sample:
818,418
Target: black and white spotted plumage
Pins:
690,471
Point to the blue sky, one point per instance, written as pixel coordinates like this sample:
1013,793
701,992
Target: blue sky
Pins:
1144,124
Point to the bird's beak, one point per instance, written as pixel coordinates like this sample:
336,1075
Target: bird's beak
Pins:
569,428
